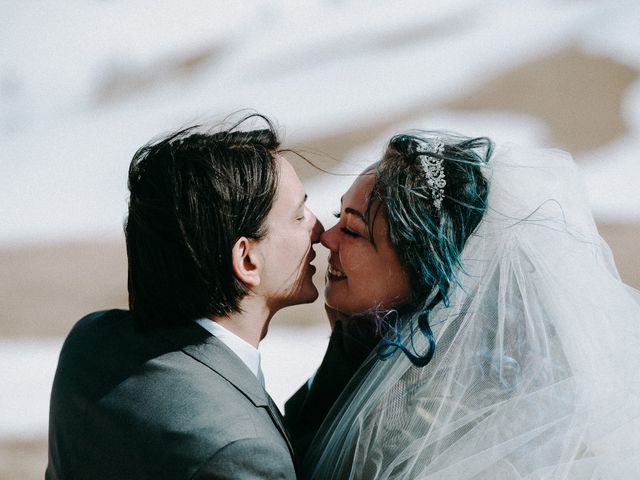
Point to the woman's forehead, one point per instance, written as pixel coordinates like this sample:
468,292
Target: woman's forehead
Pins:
360,191
357,198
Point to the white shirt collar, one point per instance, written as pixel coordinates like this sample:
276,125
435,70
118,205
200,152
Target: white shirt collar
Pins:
249,355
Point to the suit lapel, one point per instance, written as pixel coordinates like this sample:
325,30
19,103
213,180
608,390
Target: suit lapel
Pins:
218,357
205,348
276,416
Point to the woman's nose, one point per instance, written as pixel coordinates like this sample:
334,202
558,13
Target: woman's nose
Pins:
329,238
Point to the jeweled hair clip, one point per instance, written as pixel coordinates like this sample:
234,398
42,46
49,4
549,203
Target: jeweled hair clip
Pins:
432,168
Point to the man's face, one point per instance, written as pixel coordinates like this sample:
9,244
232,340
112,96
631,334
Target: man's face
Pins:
287,251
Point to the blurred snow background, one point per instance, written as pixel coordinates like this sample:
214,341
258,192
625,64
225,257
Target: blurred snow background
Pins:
83,84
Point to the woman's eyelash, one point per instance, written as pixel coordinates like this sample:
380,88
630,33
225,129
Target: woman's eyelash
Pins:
345,230
349,232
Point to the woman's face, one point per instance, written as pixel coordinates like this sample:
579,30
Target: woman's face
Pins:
362,276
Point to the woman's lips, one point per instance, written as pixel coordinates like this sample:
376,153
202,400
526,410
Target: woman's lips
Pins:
335,274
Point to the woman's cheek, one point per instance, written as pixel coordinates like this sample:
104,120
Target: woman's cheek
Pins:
358,266
355,258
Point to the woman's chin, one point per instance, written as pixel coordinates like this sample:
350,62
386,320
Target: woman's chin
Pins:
341,307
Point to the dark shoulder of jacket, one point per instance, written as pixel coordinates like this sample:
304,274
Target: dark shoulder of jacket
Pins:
90,329
98,320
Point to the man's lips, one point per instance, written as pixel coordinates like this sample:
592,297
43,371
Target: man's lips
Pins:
311,267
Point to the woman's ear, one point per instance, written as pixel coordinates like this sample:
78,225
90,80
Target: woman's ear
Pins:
245,261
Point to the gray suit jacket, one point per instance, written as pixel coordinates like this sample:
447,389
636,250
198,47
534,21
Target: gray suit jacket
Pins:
175,403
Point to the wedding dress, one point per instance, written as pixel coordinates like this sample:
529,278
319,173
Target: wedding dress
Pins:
536,372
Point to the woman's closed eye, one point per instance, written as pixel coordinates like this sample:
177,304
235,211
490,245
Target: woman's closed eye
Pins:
349,232
346,230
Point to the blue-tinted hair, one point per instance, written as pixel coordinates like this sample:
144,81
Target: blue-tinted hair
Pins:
428,240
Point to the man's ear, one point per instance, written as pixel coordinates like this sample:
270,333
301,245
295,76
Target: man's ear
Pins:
245,260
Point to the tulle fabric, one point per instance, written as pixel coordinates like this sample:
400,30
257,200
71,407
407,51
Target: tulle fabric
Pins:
536,373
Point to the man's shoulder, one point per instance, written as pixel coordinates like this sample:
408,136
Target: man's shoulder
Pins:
91,331
100,322
145,389
103,341
149,378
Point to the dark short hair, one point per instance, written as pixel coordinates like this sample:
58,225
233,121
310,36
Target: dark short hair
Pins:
193,194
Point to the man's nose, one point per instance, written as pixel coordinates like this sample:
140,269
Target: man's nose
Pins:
317,230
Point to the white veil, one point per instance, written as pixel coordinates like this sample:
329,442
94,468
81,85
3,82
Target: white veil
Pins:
536,372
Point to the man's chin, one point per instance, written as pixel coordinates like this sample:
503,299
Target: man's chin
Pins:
301,297
310,297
